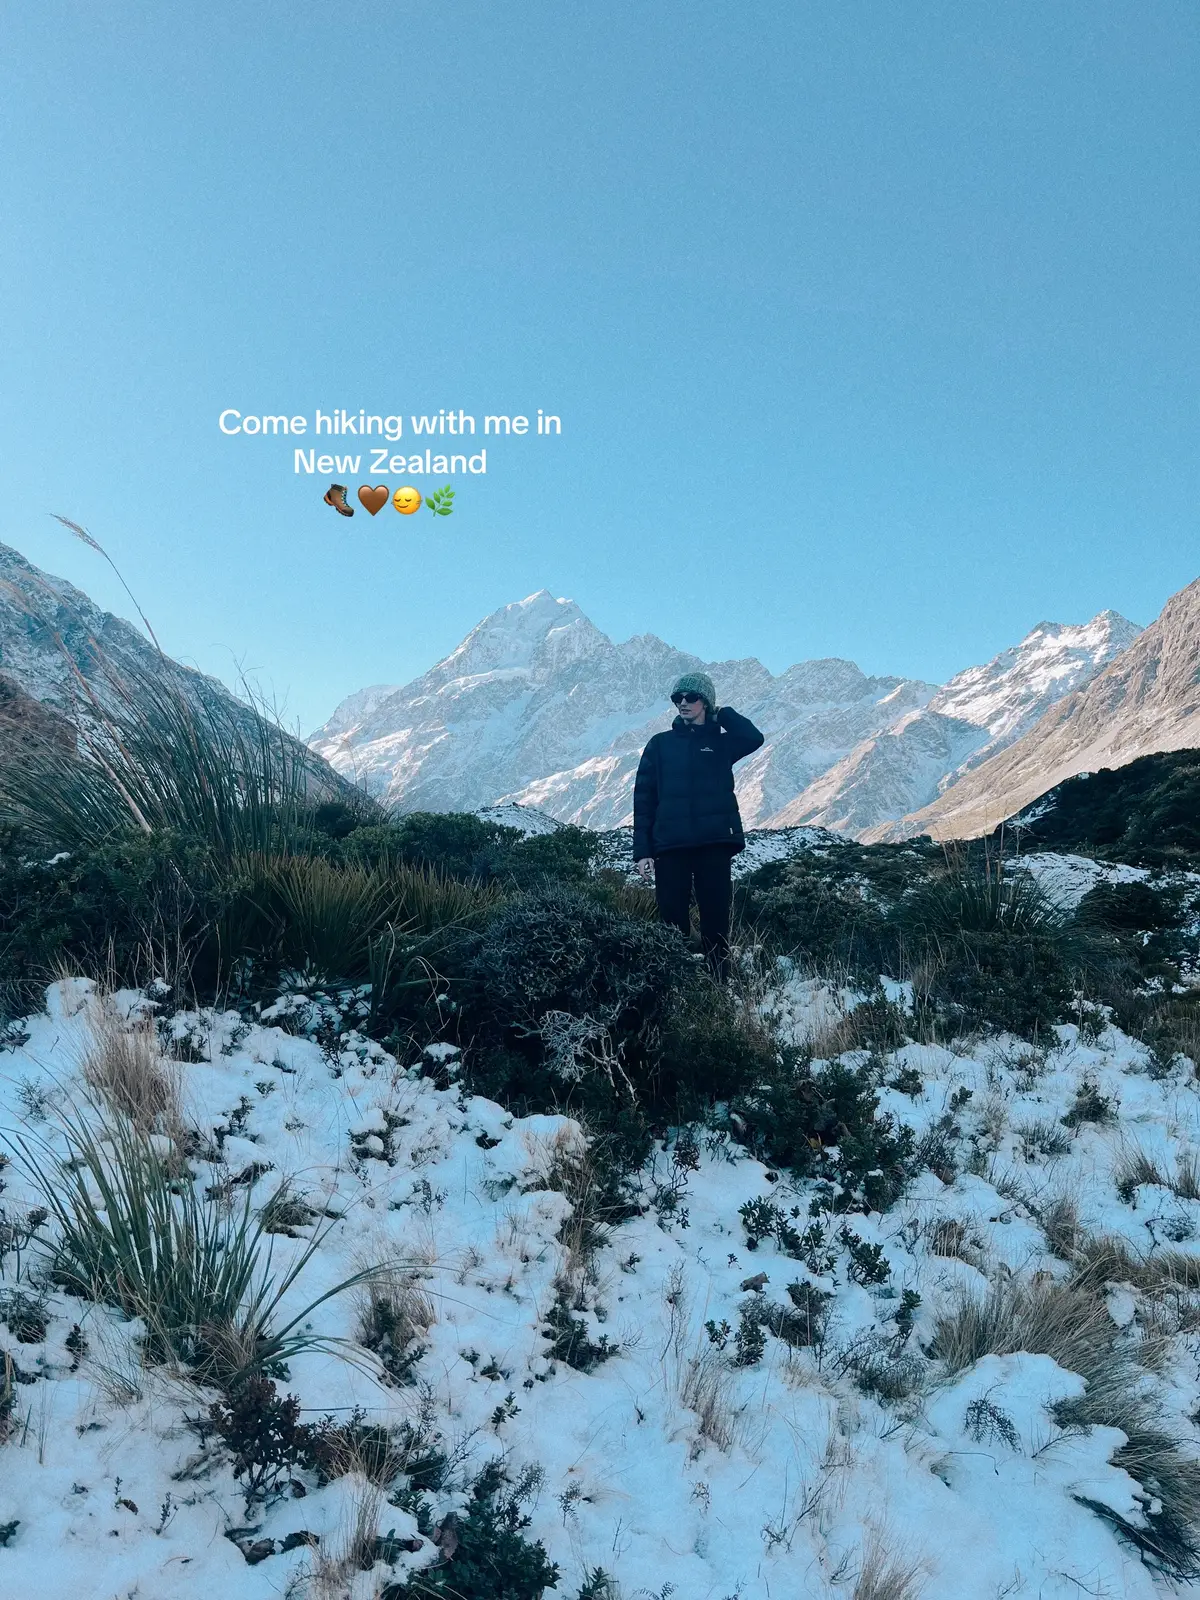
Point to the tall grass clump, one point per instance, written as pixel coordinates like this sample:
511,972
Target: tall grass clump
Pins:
1070,1322
124,1065
200,1276
991,949
157,757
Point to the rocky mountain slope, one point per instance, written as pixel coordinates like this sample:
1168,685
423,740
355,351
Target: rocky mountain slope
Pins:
538,706
62,658
1147,699
978,713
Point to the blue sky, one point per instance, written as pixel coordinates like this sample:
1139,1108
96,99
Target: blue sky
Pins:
873,328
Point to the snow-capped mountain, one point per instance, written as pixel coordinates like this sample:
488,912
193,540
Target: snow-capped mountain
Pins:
540,707
981,711
1147,699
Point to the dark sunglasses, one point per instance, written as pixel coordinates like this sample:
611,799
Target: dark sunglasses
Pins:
688,699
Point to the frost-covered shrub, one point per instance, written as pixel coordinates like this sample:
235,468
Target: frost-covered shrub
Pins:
485,1553
825,1122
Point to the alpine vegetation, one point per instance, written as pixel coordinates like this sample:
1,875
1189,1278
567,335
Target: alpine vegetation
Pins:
393,1206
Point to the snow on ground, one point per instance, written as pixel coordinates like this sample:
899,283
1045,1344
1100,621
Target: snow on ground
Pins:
667,1464
1065,879
762,845
527,820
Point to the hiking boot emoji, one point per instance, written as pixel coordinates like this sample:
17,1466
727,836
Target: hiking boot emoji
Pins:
335,496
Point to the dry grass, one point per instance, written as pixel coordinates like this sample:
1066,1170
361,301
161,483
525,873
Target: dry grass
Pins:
1067,1321
1070,1322
706,1386
1132,1168
336,1564
888,1573
947,1236
124,1065
1060,1224
393,1312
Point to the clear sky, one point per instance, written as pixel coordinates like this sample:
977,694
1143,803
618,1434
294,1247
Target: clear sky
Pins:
873,327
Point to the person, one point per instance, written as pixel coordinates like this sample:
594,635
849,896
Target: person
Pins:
686,824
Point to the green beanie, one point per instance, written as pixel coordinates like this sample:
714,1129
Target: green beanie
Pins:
698,683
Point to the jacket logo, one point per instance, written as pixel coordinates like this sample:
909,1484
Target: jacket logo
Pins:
707,750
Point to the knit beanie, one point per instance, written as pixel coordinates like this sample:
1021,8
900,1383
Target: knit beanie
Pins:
698,683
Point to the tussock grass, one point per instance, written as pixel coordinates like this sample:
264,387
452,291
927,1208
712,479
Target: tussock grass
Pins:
706,1386
888,1573
393,1312
1060,1224
200,1277
947,1236
1066,1321
1134,1167
123,1064
162,757
1069,1321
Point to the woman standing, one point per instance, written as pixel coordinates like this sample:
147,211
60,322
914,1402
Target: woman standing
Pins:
686,824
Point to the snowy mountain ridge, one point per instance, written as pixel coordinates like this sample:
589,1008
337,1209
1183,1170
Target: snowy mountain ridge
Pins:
538,707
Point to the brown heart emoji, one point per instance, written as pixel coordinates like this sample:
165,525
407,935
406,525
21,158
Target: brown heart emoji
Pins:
373,500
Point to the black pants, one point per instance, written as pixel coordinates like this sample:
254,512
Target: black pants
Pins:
707,867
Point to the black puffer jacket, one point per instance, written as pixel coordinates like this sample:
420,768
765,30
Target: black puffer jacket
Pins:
684,795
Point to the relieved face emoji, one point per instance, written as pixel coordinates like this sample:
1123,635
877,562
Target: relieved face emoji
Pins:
406,500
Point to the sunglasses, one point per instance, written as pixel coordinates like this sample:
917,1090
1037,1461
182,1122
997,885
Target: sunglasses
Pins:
688,699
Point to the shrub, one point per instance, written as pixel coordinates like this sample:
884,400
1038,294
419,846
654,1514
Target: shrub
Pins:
561,991
486,1555
457,844
995,950
263,1433
25,1315
394,1311
799,907
1089,1106
125,911
827,1123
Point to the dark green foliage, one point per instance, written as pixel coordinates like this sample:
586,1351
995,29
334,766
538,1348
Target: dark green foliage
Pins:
1018,983
25,1315
462,845
1146,813
995,951
563,999
985,947
263,1433
168,760
868,1264
750,1341
108,908
334,1447
910,1301
491,1560
807,907
802,1323
570,1340
1089,1106
8,1531
826,1123
457,843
